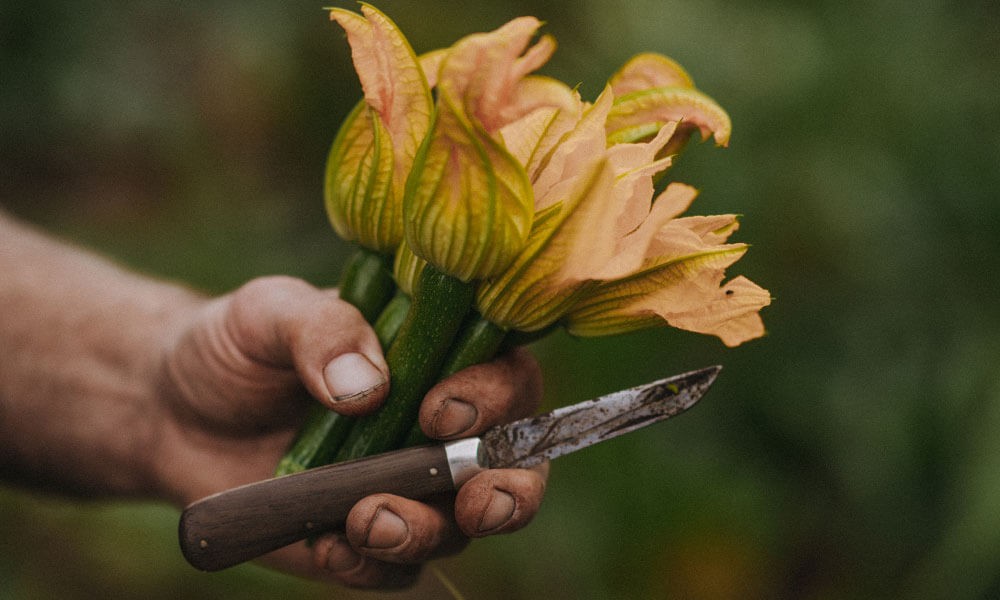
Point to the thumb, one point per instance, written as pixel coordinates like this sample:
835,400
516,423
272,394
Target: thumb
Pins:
284,321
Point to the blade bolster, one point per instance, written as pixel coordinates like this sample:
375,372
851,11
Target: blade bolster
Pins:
465,459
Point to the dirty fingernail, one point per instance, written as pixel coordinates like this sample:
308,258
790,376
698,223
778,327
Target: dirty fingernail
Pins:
499,511
388,530
351,376
454,418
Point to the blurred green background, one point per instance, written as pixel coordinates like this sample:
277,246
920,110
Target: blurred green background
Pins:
852,453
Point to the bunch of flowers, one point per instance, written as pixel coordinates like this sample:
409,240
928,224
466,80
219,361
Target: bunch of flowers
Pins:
491,203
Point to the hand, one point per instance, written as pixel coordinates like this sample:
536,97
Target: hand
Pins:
236,384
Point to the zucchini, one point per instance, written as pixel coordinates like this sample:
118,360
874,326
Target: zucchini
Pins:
367,284
477,342
438,308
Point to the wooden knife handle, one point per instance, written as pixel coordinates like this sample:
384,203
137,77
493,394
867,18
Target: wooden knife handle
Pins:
237,525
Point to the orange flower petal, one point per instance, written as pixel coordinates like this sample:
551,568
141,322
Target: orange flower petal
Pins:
634,113
647,71
391,77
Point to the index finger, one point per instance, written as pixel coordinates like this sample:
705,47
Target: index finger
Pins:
474,399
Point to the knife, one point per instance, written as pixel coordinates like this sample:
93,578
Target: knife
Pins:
240,524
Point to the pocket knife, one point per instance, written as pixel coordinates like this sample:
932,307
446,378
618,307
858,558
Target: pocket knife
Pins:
240,524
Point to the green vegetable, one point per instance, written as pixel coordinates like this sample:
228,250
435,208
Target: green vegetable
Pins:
478,341
367,284
415,358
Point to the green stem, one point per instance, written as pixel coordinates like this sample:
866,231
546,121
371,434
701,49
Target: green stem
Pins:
477,342
388,323
367,284
415,359
317,442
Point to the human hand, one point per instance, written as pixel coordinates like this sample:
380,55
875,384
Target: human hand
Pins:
236,384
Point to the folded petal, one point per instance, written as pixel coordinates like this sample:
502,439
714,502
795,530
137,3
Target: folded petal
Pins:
468,205
559,258
581,146
391,77
636,113
406,269
375,147
358,187
684,292
632,250
485,74
430,64
532,138
635,165
647,71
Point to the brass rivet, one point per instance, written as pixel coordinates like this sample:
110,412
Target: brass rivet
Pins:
434,471
203,544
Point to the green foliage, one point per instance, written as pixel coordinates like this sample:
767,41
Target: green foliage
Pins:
850,454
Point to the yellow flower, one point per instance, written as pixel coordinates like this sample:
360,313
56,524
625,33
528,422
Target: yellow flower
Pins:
469,203
373,152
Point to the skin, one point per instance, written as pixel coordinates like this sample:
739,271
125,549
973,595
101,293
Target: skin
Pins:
113,385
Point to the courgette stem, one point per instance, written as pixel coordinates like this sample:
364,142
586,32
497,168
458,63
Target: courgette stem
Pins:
388,323
415,358
317,442
478,341
367,284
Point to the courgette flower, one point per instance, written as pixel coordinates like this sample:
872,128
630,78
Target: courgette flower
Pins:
599,236
373,152
680,281
469,204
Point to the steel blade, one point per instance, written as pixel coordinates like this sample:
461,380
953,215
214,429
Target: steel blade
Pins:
530,441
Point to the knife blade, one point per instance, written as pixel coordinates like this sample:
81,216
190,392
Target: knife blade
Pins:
240,524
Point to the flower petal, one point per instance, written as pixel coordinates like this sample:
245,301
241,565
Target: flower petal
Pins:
633,249
684,292
558,259
392,80
581,146
430,64
468,205
358,183
485,73
731,314
532,138
406,269
635,165
634,113
646,71
611,306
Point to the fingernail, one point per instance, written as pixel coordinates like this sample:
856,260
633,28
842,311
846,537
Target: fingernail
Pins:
498,512
341,557
387,530
454,418
351,376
